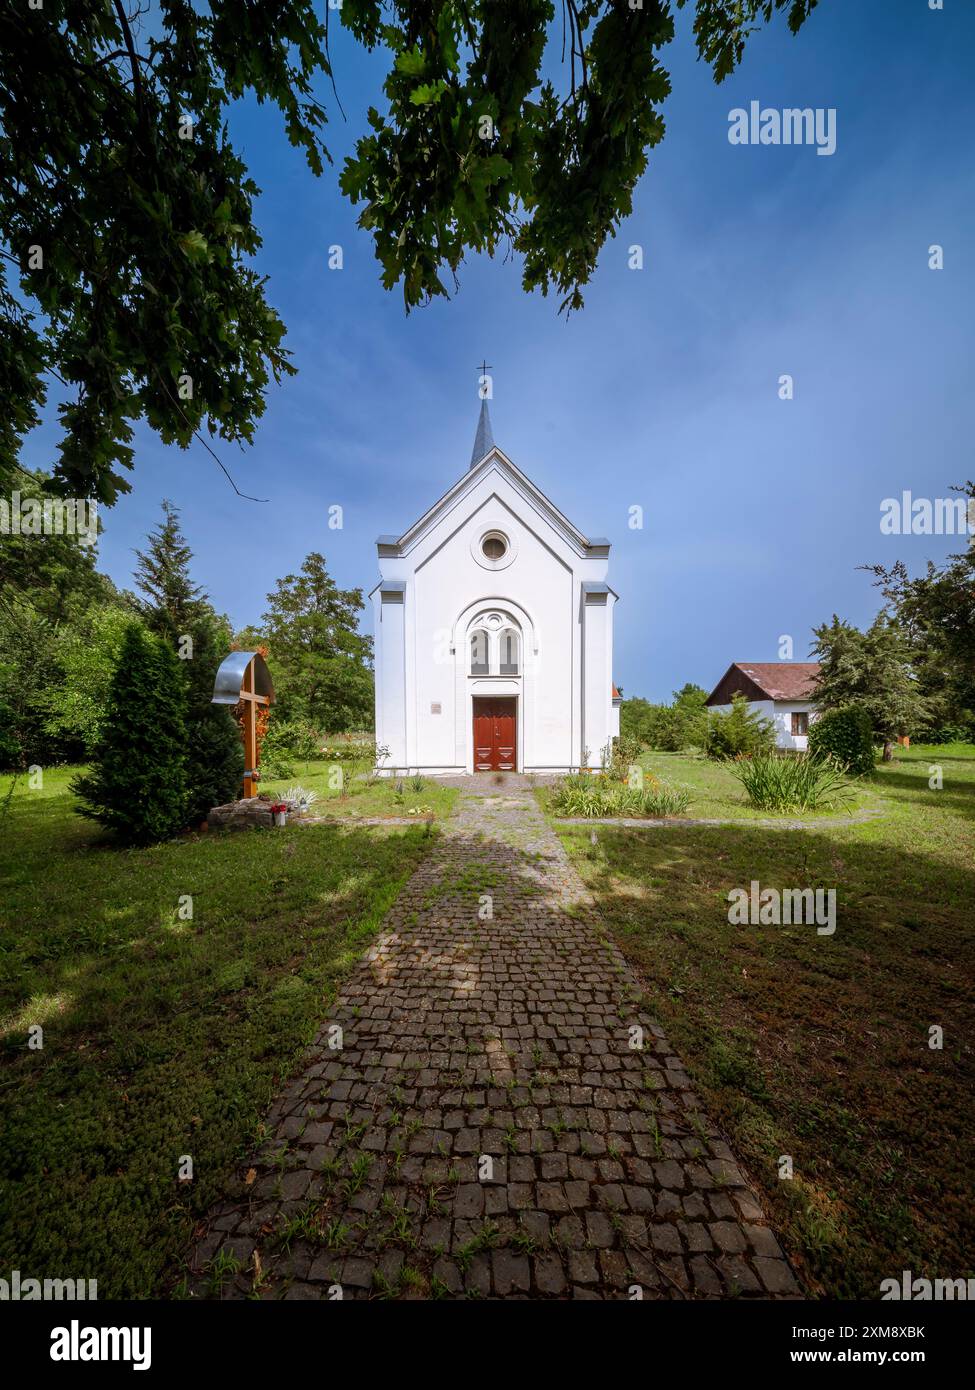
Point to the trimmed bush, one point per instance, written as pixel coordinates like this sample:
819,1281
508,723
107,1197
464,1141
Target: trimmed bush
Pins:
137,782
845,734
792,782
739,732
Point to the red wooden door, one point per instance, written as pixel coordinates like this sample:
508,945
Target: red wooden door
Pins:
494,734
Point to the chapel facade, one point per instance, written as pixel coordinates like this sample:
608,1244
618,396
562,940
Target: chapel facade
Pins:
493,632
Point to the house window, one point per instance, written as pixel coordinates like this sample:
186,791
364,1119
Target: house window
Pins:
479,653
800,724
509,652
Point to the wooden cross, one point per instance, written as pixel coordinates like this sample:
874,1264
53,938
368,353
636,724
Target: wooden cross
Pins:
251,751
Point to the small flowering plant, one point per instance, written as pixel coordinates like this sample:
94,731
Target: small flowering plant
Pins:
279,806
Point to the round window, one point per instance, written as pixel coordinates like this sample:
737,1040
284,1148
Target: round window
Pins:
494,547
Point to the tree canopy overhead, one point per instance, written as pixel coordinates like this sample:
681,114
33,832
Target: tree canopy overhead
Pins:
126,215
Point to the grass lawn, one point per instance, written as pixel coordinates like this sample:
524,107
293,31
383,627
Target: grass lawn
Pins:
423,796
817,1046
162,1036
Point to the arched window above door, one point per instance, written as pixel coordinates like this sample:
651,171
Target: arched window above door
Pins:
509,652
479,653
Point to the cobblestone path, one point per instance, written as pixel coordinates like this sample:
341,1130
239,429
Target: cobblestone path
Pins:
489,1126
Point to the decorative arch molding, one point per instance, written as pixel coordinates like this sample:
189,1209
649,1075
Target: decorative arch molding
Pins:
509,613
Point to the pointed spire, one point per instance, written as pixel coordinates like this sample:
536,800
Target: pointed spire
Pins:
484,439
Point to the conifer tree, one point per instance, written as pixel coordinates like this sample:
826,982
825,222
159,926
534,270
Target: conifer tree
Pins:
136,785
173,604
871,669
181,614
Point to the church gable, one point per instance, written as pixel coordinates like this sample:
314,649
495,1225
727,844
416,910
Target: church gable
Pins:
513,488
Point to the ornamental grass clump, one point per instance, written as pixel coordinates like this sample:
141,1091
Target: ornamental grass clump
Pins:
597,796
792,782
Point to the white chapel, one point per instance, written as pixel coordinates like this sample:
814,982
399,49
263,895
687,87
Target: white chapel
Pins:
493,631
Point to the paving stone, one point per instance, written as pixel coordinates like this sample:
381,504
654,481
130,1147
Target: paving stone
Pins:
599,1229
357,1273
495,1201
665,1237
435,1234
722,1206
511,1273
747,1205
571,1233
727,1236
763,1241
520,1195
477,1278
549,1278
640,1269
776,1276
638,1197
669,1174
613,1266
610,1196
737,1275
448,1274
582,1267
695,1236
469,1201
705,1277
327,1269
551,1197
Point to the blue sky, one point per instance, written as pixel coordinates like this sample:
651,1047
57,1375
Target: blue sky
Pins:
663,391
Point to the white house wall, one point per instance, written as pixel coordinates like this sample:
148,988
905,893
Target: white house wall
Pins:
780,712
782,715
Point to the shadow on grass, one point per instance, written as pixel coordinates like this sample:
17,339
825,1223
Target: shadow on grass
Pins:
817,1046
958,794
176,986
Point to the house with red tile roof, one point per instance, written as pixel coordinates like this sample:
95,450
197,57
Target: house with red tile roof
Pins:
782,691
